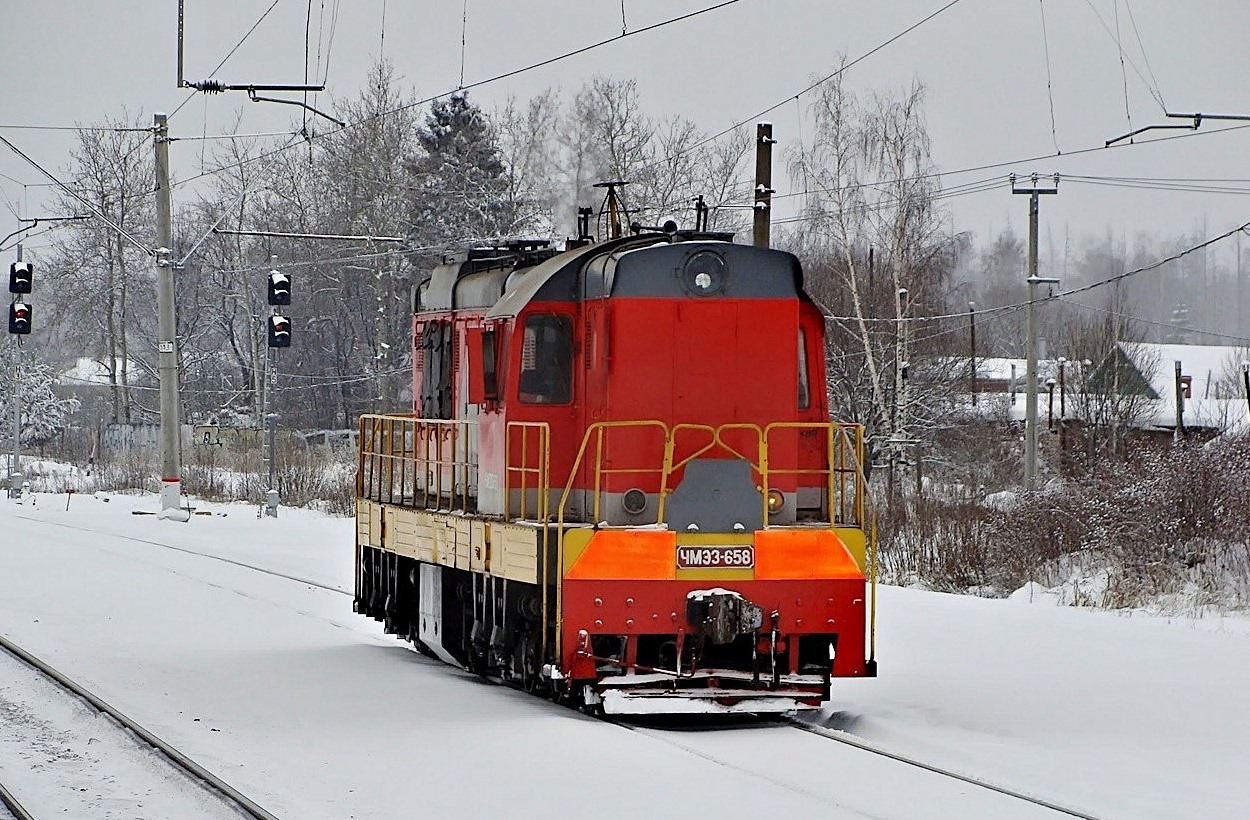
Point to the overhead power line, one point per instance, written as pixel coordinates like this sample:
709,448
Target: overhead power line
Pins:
118,228
841,69
1057,295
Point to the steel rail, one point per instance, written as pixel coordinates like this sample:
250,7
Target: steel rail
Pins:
850,740
178,758
15,808
210,556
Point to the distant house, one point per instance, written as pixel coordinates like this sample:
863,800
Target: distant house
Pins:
87,380
1211,383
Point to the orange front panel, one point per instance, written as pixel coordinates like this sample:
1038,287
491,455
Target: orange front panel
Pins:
799,554
618,555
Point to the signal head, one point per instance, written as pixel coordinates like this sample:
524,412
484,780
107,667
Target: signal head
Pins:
279,331
279,288
19,318
21,277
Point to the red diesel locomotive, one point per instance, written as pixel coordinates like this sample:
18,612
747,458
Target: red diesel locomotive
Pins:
619,484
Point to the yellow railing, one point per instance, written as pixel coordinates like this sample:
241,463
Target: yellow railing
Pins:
529,435
416,462
431,463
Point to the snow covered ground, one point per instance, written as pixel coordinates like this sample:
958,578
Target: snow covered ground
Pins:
276,686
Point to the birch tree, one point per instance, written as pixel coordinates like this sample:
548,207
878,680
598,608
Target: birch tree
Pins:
879,254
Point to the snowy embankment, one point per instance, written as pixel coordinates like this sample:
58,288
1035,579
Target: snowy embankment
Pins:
319,715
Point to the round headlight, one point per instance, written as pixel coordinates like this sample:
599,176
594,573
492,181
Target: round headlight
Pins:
634,501
775,501
704,273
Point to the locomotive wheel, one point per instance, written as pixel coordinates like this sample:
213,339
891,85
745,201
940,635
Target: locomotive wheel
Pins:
527,661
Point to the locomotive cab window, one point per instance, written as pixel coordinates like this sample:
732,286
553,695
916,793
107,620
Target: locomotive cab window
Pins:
805,392
546,360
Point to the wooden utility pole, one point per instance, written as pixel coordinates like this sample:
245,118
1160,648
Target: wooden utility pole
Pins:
1179,432
972,352
167,333
763,184
1030,376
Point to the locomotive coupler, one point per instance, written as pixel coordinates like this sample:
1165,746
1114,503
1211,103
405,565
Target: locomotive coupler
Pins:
721,615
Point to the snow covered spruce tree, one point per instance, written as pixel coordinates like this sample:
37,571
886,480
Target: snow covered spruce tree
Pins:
461,189
44,413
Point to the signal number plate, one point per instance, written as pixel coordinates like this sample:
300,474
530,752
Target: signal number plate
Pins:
737,556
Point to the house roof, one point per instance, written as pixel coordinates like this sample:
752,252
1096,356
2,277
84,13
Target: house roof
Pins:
1217,395
92,372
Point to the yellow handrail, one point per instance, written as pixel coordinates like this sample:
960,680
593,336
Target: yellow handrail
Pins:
410,461
540,471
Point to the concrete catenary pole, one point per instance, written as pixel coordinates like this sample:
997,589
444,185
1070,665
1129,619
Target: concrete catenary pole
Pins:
1030,376
167,342
762,223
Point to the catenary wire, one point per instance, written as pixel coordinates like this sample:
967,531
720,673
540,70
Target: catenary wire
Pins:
841,69
1158,263
1145,57
1157,96
1050,94
1245,340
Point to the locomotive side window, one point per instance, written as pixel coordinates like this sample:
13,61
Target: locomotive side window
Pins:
547,360
437,348
490,374
805,391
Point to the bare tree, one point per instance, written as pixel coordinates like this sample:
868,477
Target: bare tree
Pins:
878,251
528,148
100,281
1106,393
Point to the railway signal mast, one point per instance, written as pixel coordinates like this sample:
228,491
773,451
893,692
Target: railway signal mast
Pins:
278,333
21,282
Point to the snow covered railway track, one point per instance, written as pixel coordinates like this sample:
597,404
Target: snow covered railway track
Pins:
200,802
198,553
851,740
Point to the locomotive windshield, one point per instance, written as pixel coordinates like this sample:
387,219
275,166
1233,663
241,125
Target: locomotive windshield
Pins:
547,360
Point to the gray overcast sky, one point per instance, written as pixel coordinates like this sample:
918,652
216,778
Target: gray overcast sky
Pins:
984,63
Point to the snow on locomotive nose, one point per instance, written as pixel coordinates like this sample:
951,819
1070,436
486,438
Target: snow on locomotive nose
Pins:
619,484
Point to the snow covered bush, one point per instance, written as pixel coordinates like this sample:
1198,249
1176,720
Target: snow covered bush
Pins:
1166,528
1169,523
44,414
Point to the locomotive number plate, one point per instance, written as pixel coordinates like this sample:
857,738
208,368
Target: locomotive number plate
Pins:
735,556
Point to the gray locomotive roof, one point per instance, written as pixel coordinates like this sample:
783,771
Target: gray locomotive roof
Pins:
531,281
778,274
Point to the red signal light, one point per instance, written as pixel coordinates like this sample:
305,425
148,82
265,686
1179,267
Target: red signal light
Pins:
19,318
279,331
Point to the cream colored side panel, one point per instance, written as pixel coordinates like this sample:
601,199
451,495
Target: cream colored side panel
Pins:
401,531
479,540
425,537
375,524
518,553
464,550
444,541
362,522
505,550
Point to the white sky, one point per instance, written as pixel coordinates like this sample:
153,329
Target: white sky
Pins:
984,62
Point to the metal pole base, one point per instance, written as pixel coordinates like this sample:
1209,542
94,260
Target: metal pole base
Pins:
171,502
271,503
